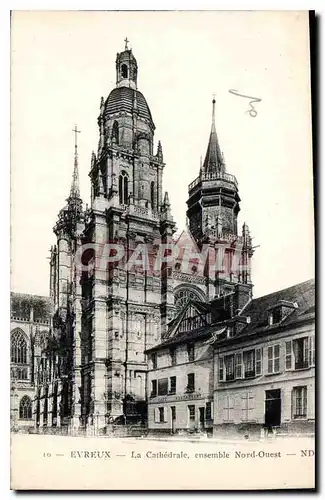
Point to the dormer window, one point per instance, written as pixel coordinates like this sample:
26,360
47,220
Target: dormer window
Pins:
280,311
277,315
230,331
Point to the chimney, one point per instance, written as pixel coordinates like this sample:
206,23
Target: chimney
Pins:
243,294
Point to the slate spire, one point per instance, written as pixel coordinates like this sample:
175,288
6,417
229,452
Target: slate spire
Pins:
214,162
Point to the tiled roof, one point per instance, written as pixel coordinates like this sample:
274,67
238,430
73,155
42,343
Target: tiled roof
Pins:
303,294
122,99
219,315
21,304
258,309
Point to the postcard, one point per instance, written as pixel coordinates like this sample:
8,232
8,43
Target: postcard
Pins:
162,331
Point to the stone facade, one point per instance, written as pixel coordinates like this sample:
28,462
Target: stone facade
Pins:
29,332
106,317
173,404
265,378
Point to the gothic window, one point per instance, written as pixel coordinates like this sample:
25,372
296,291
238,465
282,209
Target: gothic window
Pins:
115,133
124,71
123,188
18,348
25,408
183,294
152,194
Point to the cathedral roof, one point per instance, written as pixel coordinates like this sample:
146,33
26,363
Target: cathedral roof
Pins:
122,99
22,303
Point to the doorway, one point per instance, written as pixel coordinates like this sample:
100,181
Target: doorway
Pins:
273,408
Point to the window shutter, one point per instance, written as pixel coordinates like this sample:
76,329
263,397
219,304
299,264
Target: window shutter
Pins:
270,360
306,351
156,415
293,403
238,365
258,361
288,358
221,369
225,408
164,414
312,351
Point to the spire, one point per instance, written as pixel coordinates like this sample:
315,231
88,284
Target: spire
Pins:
214,161
159,152
166,202
75,191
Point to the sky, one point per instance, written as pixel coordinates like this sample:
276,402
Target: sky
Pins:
63,62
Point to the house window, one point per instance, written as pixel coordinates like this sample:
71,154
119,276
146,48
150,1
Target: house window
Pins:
190,383
221,372
172,353
299,402
249,363
229,366
190,352
228,408
301,353
258,361
172,389
248,406
161,414
154,360
25,408
191,412
162,386
208,410
238,365
273,359
153,388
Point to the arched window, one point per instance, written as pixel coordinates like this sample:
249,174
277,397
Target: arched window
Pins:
115,133
123,188
25,408
124,71
152,195
184,293
18,348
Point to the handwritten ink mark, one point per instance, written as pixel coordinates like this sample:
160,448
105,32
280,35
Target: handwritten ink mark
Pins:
252,112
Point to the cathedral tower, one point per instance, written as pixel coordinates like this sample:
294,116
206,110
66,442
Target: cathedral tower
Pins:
125,309
213,207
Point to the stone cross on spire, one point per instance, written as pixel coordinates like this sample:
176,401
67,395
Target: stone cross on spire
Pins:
126,42
75,191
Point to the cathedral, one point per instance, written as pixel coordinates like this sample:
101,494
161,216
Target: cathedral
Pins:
93,369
